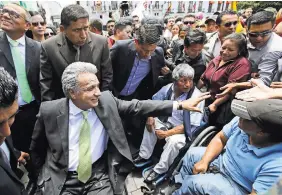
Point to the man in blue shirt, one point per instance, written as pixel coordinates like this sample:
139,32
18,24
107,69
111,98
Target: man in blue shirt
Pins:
244,158
170,128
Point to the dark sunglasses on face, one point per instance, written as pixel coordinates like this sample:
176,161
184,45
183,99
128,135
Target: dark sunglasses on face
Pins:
37,23
12,14
262,34
201,26
229,24
48,34
188,22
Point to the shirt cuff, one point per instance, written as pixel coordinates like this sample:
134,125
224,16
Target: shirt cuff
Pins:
175,106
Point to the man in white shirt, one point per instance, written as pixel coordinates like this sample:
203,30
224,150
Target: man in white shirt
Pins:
79,141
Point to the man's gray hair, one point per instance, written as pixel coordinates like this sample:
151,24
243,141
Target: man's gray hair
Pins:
182,70
71,73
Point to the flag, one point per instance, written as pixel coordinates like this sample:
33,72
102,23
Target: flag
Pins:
239,28
194,6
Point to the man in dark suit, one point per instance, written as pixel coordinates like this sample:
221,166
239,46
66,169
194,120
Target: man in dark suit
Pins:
79,145
20,56
9,157
74,43
137,65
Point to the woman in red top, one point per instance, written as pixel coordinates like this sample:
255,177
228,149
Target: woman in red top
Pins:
230,66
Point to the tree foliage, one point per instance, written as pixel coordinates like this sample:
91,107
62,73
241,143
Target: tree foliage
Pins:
259,5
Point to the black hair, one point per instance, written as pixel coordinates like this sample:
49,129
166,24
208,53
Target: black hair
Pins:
72,13
148,33
8,89
96,23
121,25
226,12
109,21
261,17
189,16
195,36
158,22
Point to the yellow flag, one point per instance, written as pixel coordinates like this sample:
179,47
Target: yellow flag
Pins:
239,28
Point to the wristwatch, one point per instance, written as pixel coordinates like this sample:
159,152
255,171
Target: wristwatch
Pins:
179,107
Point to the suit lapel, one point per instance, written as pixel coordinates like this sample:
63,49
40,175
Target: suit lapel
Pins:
5,48
87,49
103,116
153,64
63,127
64,49
29,52
8,170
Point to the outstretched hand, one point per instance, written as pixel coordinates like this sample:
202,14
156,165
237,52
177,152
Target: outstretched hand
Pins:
259,92
191,104
227,89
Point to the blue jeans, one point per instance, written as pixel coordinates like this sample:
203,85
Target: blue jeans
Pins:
209,183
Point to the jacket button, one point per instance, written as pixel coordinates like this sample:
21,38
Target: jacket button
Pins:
60,187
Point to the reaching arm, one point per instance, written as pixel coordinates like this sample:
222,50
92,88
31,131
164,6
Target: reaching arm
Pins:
213,150
213,107
200,84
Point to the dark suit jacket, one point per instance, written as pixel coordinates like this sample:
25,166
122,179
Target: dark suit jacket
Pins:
10,183
32,61
123,54
49,146
56,55
14,156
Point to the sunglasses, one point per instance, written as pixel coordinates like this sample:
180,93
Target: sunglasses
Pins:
229,24
48,34
188,22
262,34
37,23
201,26
14,15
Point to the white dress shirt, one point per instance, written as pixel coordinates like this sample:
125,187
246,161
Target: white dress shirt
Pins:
99,136
21,48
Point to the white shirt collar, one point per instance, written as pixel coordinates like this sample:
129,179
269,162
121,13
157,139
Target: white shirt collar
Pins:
20,40
74,110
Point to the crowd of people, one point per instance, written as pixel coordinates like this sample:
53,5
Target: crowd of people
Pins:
81,107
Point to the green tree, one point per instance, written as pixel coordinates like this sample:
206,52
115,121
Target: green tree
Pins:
259,5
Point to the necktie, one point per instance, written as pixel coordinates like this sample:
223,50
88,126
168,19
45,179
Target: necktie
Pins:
4,156
84,169
20,71
77,53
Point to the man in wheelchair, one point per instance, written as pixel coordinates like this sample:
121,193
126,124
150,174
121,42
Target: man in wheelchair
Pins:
170,128
244,158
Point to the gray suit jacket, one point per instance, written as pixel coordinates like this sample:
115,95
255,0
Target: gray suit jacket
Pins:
56,55
32,61
50,149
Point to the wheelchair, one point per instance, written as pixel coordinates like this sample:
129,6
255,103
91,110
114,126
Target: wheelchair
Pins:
201,137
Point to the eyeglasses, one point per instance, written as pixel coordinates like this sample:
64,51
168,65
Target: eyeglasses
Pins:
14,15
262,34
200,26
48,34
37,23
189,22
229,24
